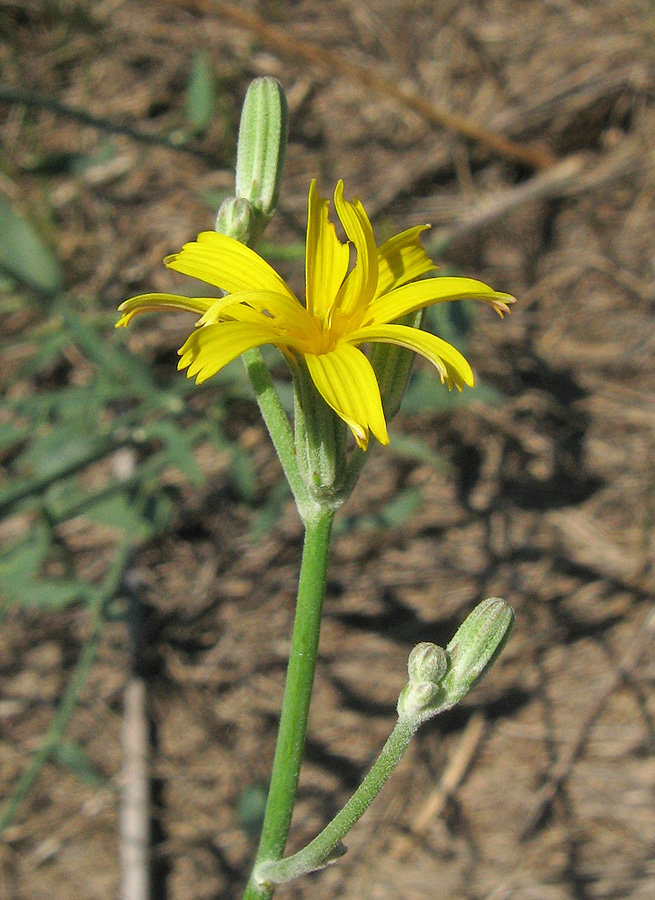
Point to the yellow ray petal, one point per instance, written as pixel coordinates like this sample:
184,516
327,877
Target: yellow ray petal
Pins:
210,348
157,302
346,381
412,297
326,258
359,287
227,264
277,310
451,365
401,259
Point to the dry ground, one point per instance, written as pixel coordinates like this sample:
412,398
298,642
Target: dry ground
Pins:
548,498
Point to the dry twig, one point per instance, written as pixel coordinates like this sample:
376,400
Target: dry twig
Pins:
135,806
288,45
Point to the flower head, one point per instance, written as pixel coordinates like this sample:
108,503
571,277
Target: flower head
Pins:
345,306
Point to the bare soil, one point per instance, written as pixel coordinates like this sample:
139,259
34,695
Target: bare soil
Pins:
541,786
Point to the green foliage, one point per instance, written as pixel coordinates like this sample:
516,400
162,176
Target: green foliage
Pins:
23,253
101,448
20,574
92,455
200,94
400,509
72,757
250,807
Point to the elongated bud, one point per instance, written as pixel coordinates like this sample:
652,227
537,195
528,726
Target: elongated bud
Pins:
475,646
260,158
261,146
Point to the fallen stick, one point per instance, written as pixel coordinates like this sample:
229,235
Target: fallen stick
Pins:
288,45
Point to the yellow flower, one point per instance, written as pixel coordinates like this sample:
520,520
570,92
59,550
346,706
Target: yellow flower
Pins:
346,306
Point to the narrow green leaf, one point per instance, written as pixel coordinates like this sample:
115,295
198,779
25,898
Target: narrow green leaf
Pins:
399,510
179,448
200,94
118,512
20,582
72,757
57,450
281,253
243,474
426,394
250,807
23,254
51,594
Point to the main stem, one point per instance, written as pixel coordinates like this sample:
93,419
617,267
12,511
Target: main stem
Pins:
297,696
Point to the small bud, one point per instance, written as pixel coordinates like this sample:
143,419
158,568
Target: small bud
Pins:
427,662
475,646
236,219
261,146
416,698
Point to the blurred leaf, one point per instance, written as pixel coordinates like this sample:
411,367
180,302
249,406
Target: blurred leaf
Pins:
251,805
104,154
426,393
23,557
213,198
278,253
63,495
7,290
452,321
10,434
200,94
243,474
20,581
50,593
24,255
269,515
412,448
50,346
74,758
117,511
179,448
400,510
57,449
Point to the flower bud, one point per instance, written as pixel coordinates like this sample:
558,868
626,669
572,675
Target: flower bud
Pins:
427,665
261,146
236,218
416,698
427,662
475,646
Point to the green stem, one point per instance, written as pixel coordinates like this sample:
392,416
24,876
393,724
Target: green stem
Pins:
325,847
279,428
297,696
